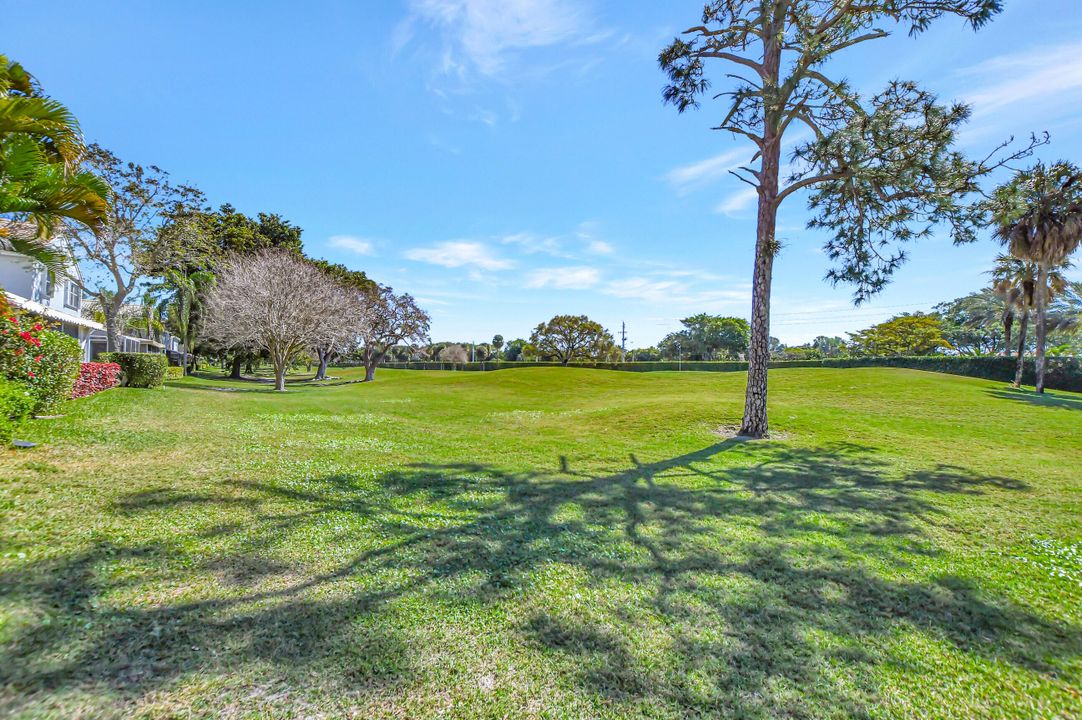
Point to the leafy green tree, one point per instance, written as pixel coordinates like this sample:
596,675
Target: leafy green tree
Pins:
973,325
907,334
1038,216
514,349
714,336
881,170
569,338
40,181
830,347
497,345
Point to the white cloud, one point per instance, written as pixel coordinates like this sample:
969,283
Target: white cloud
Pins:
1020,80
529,244
354,244
678,294
460,253
480,35
564,278
738,201
688,177
600,247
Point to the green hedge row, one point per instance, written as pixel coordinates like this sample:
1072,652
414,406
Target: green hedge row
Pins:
140,370
1063,373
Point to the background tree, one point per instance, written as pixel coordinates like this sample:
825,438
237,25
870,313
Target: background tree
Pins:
41,184
709,337
275,301
571,337
973,324
117,258
497,345
882,168
357,284
830,347
907,334
390,320
514,350
1015,283
454,353
1038,215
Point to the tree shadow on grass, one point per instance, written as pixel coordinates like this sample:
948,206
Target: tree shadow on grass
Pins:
741,579
1045,399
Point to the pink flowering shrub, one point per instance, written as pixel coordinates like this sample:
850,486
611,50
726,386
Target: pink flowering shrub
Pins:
95,377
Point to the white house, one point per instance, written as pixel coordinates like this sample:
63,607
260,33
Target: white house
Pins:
27,285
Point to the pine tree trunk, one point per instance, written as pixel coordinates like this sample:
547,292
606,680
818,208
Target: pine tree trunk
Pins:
755,422
1042,322
1023,327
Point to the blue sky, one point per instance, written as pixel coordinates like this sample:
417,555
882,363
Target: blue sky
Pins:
508,160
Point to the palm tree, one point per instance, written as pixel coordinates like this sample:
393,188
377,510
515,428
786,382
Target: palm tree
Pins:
40,183
181,295
1038,215
1015,282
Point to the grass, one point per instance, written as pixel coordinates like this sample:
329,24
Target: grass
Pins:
546,542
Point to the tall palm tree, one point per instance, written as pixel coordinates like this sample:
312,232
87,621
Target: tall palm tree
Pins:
1038,216
1015,282
40,183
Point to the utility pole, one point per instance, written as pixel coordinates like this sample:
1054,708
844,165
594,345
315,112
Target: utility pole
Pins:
623,340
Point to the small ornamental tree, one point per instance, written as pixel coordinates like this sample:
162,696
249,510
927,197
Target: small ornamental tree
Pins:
275,301
388,320
881,170
570,338
454,353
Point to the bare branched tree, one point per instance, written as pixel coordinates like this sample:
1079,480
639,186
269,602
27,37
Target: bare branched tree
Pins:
276,301
390,320
117,257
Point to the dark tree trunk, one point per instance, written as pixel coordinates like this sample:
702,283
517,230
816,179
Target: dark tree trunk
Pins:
1023,326
755,422
1042,323
369,371
234,370
1008,327
324,359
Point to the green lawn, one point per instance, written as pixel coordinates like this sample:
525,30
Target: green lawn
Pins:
547,543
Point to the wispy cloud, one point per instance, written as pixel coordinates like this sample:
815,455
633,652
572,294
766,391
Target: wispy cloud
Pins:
678,294
531,244
1040,74
480,36
460,253
354,244
738,201
564,278
686,178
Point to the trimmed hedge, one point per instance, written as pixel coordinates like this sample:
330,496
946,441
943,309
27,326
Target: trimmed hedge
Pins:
174,372
139,370
16,404
1062,373
95,377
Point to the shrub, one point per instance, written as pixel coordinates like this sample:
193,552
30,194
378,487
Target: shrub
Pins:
139,370
16,403
95,377
174,372
55,368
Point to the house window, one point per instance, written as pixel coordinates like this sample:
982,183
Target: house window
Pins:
71,295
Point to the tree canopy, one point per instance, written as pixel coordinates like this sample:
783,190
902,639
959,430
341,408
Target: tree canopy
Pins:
569,338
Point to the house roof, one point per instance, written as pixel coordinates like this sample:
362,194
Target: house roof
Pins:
51,313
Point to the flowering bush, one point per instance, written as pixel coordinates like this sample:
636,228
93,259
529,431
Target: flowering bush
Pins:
20,346
46,361
95,377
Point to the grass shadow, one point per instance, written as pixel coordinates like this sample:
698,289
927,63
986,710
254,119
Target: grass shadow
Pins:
724,569
1045,399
